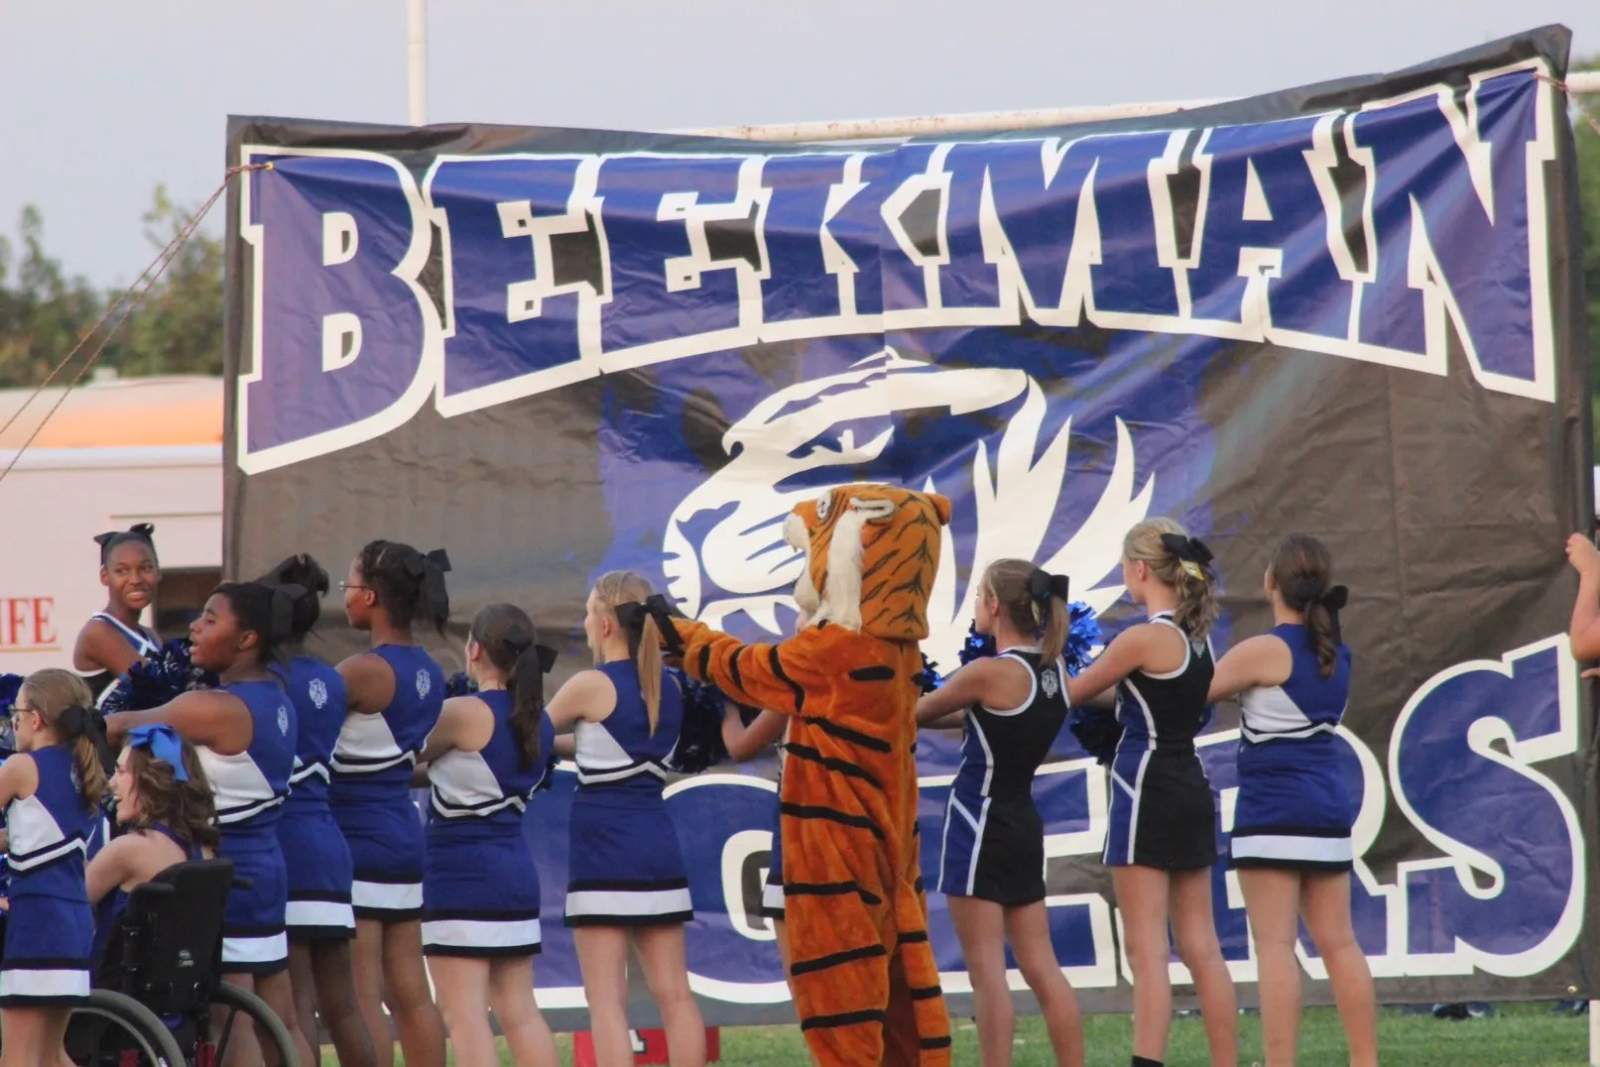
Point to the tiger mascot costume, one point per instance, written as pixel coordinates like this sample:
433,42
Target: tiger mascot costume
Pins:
865,982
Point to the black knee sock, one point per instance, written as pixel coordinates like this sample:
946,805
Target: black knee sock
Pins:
1145,1061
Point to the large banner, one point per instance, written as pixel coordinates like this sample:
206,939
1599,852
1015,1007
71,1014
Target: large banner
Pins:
1346,310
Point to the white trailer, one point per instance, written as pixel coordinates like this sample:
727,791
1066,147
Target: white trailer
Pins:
117,452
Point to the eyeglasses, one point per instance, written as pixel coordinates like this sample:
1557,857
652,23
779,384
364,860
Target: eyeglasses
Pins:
345,587
17,714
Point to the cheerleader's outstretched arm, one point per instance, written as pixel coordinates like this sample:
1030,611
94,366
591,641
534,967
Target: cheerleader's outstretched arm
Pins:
743,742
1129,651
211,717
465,724
1258,662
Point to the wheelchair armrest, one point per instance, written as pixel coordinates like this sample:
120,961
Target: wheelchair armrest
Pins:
157,889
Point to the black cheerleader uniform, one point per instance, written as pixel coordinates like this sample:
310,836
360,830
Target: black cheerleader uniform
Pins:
993,841
1162,811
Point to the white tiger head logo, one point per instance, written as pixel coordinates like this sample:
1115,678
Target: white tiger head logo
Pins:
797,430
283,720
424,684
318,692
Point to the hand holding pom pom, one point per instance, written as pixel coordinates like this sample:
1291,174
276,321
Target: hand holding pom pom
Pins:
459,685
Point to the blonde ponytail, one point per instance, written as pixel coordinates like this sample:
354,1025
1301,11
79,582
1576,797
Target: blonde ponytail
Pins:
626,587
1197,607
648,661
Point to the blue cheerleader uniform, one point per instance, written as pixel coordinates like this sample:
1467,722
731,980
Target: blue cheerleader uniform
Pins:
370,792
480,896
993,842
1162,811
142,641
250,788
1294,810
626,863
49,939
315,853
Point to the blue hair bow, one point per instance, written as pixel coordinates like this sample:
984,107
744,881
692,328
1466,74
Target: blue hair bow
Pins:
164,744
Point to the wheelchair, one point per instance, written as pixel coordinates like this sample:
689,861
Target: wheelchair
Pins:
161,978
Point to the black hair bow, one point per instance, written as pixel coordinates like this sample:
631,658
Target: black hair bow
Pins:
1193,555
77,721
139,531
1043,586
1307,592
284,598
631,616
295,566
430,568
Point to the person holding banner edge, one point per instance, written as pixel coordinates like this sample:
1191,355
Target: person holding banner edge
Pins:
1291,834
395,693
1161,844
992,865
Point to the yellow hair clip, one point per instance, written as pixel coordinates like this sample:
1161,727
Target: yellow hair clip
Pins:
1192,569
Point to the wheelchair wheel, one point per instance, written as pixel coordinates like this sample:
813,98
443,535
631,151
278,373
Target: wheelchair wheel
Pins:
269,1028
114,1030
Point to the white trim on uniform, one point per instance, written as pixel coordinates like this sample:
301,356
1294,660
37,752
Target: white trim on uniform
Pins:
23,982
1188,653
604,902
481,933
988,754
386,896
1293,848
1033,684
268,949
977,846
320,913
1144,759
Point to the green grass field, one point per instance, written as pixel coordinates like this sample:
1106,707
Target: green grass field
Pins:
1519,1035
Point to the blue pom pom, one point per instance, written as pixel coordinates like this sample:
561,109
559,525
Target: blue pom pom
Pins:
1082,635
978,646
928,678
152,682
459,685
700,740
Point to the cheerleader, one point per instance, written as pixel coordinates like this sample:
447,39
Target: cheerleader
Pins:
51,793
166,811
627,873
744,743
321,922
480,897
114,640
244,731
992,864
1162,843
1291,829
394,693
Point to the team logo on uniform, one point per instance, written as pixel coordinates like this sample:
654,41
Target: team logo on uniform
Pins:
843,427
283,720
424,683
318,691
1047,682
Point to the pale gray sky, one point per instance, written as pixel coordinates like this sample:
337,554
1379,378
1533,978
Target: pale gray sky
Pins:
105,98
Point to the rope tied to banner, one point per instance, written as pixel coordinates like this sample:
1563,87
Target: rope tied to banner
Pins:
127,302
1574,100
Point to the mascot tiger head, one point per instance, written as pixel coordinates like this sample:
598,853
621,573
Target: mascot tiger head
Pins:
872,552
